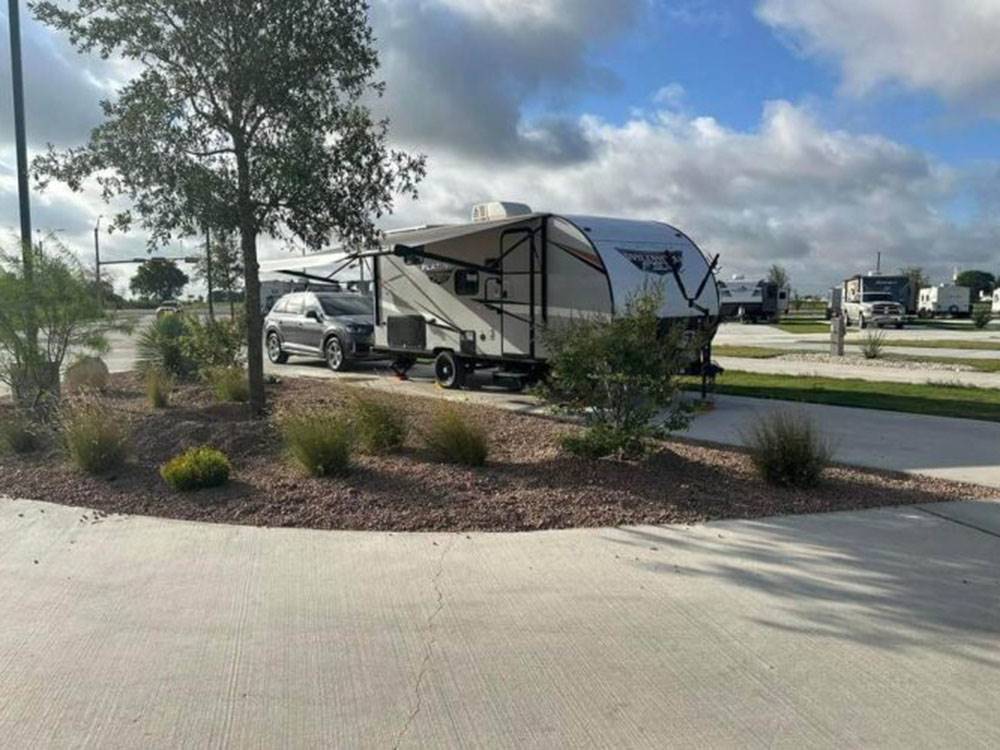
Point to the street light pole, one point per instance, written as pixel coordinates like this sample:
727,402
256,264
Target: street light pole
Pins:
97,260
21,146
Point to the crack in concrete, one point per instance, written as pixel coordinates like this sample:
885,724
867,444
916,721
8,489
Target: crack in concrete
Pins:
429,647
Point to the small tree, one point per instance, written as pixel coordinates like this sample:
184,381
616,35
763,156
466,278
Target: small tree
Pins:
249,115
918,279
619,375
977,281
226,267
158,279
68,315
778,275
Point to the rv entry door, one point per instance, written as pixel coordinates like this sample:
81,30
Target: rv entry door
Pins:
515,292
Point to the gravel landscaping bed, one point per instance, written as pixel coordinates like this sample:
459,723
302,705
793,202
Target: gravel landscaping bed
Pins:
856,360
528,483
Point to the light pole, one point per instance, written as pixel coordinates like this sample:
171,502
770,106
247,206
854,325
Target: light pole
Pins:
27,258
97,260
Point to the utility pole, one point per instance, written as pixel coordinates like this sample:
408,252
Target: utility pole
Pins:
208,271
21,146
97,260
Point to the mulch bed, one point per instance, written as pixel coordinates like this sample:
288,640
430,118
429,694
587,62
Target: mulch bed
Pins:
528,484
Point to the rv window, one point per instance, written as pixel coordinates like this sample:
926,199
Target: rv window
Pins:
466,282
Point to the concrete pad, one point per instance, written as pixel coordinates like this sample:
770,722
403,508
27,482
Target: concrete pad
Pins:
853,629
982,515
961,450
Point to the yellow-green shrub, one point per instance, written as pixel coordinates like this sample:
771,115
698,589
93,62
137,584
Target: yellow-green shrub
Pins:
197,469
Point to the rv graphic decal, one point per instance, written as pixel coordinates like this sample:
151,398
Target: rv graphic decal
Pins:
437,271
660,262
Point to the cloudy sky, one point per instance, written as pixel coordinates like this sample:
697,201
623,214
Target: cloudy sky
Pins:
810,133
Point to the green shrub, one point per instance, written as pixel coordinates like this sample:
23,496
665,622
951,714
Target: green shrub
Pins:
159,387
319,442
981,316
18,434
229,384
454,439
379,428
208,344
621,374
873,343
86,374
600,441
96,438
197,469
160,346
787,449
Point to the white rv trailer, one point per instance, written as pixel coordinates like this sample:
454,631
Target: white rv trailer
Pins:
945,299
482,294
752,301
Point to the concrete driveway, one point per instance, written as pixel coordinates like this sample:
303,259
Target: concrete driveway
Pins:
878,628
961,450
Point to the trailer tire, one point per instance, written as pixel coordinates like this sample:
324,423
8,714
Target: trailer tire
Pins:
449,370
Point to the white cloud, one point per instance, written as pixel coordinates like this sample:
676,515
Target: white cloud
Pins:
820,201
671,96
949,47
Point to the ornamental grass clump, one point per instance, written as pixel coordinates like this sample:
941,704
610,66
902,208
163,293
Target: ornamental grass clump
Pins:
229,384
96,438
159,387
787,449
18,434
379,428
320,443
873,344
453,438
197,469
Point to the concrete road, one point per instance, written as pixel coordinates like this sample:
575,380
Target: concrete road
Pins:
958,449
872,629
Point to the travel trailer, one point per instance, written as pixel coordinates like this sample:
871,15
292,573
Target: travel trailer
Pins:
945,299
482,294
752,301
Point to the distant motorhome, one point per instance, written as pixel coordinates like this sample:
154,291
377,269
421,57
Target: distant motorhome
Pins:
876,299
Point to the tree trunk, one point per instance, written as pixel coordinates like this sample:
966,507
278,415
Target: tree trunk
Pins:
255,323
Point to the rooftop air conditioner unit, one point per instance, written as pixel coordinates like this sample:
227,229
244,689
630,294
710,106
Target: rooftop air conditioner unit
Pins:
498,210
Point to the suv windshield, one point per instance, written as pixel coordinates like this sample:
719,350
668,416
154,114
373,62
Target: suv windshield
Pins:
345,304
877,297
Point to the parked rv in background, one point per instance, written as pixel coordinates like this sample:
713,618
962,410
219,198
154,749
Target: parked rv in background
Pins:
876,299
752,301
945,299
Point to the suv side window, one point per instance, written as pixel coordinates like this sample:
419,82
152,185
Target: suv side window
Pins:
293,304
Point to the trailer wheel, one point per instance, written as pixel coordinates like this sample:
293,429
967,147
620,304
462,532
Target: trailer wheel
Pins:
449,370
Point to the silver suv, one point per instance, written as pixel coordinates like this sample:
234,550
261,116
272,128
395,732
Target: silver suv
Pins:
335,326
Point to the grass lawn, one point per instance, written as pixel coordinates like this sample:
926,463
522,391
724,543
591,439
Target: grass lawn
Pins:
748,352
937,400
803,325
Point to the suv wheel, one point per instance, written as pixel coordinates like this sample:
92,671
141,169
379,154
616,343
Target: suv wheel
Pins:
274,352
336,359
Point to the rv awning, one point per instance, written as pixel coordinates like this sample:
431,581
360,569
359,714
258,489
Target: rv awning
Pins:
414,237
411,237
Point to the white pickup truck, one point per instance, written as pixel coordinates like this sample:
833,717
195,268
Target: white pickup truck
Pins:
873,309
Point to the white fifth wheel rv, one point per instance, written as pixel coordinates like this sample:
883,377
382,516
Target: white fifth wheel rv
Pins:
481,294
